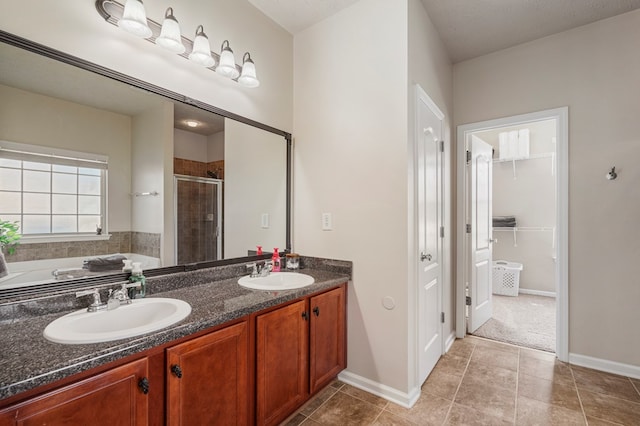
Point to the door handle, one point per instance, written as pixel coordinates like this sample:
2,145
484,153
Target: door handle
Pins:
424,257
493,240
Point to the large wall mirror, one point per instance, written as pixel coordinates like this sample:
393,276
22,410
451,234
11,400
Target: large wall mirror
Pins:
186,185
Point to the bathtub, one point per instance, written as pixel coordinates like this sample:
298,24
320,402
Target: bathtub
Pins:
41,271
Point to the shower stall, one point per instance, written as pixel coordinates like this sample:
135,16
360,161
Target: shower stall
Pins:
198,213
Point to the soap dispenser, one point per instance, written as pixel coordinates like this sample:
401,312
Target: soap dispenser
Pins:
137,277
275,259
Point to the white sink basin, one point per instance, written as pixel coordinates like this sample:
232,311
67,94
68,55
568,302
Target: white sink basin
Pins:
140,317
277,281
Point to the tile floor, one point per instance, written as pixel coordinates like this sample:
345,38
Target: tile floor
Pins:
482,382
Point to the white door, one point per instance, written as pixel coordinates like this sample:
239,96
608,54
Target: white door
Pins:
430,205
480,185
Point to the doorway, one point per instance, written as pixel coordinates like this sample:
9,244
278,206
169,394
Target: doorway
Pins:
521,227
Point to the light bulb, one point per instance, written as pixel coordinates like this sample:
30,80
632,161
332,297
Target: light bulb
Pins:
201,53
134,19
170,37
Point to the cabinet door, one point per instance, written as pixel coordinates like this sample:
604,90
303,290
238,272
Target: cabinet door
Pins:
327,337
207,379
282,369
110,398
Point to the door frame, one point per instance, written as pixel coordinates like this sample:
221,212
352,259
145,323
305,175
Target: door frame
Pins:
561,115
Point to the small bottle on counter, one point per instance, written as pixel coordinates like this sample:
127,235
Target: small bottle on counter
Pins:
137,277
293,260
276,260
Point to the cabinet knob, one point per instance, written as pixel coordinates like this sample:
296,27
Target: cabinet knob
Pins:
316,311
305,315
143,384
176,370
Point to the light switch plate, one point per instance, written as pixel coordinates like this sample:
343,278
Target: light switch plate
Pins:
327,224
265,220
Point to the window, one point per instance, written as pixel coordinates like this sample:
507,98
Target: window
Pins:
51,191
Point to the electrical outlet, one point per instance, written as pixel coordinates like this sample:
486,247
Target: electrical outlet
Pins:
326,222
265,220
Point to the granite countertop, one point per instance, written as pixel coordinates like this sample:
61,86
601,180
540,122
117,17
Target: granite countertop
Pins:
28,360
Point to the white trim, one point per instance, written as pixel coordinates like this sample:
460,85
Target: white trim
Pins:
562,197
406,400
600,364
449,341
537,292
59,238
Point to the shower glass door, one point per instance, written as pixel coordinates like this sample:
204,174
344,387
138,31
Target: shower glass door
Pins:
198,212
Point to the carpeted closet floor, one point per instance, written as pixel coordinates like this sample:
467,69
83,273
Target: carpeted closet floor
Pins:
524,320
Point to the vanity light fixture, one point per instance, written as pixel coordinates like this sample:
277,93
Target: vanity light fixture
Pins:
201,53
248,77
132,18
170,37
227,66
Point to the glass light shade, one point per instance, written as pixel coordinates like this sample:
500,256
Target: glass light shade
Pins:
227,65
201,53
170,37
134,19
248,77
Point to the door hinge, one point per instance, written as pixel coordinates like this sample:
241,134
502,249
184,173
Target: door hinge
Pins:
441,146
468,301
442,317
442,232
468,228
468,156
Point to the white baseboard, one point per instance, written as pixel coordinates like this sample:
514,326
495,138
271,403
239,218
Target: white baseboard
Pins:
449,341
605,365
404,399
537,292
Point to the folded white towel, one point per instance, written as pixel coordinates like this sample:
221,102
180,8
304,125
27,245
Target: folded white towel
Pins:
523,143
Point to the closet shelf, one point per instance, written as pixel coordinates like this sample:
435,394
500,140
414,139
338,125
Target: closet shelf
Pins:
517,229
551,155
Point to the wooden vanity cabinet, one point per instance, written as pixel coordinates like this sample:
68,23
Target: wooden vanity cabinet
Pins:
114,397
299,348
207,379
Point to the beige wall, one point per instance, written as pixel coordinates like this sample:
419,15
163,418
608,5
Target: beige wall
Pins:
594,71
76,28
34,119
353,91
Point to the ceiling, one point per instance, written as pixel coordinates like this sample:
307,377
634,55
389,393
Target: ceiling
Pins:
468,28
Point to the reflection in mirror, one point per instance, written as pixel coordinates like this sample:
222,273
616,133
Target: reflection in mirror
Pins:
182,184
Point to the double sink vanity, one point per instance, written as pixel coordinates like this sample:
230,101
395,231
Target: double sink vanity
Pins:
200,349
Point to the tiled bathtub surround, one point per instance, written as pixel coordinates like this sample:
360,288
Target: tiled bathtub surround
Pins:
119,242
480,382
145,243
28,360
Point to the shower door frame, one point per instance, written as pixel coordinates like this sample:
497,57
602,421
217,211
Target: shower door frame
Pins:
218,234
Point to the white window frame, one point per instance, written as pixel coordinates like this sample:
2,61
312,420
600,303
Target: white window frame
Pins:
42,154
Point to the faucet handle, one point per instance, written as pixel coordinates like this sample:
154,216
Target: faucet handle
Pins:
97,303
253,268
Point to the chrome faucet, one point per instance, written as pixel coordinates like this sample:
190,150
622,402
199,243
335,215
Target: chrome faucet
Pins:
97,304
261,269
121,296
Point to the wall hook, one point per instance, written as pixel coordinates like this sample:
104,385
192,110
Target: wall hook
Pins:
612,174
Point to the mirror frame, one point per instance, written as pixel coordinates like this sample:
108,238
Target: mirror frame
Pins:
73,284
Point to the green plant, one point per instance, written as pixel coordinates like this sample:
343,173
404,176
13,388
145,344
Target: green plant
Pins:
9,235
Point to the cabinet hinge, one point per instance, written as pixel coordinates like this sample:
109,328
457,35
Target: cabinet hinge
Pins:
468,156
468,228
441,146
442,232
442,317
468,300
